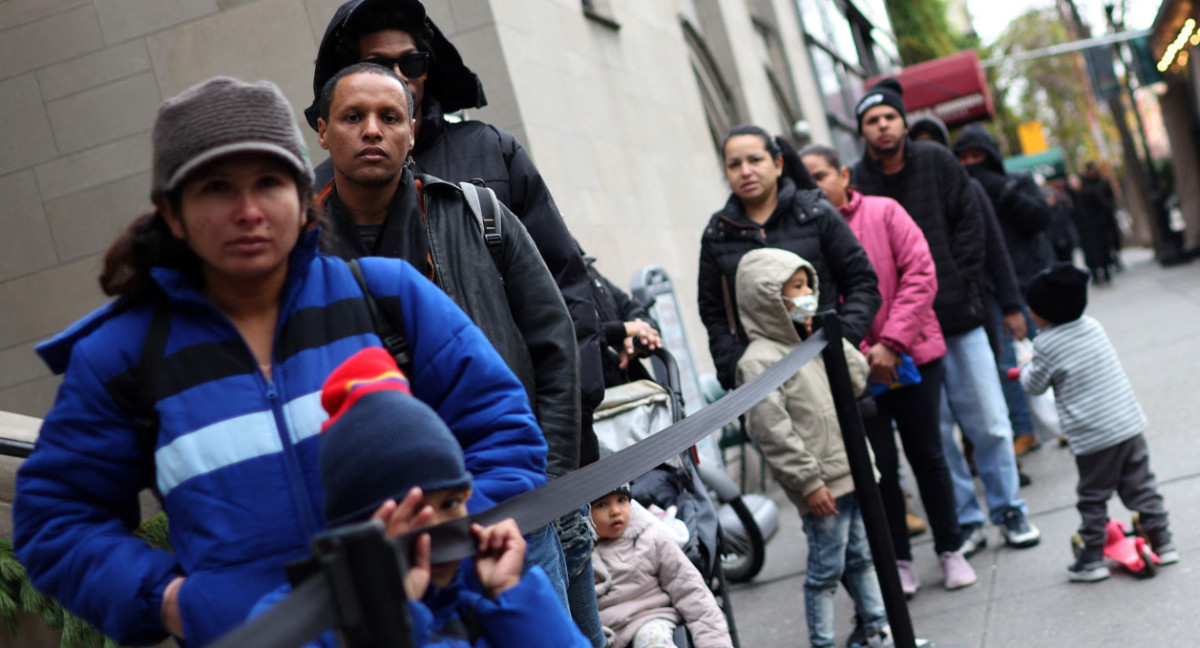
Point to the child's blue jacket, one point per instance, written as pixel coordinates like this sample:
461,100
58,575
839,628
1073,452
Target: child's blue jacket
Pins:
236,454
529,615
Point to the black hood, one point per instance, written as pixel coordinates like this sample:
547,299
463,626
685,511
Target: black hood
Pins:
975,136
450,82
930,124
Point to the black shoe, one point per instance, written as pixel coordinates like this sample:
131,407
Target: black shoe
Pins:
858,636
1017,530
1089,565
1023,479
974,539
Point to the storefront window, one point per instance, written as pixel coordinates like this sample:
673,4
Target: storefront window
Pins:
843,40
810,17
829,79
887,55
875,11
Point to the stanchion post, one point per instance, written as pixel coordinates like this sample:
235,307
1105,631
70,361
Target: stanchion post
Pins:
366,571
863,472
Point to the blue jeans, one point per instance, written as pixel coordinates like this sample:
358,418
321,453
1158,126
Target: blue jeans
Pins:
1014,396
972,397
543,548
837,545
575,533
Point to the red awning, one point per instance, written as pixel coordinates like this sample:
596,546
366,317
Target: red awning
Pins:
953,88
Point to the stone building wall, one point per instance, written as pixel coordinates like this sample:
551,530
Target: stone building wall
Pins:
611,116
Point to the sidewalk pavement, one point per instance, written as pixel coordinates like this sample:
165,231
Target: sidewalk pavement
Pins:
1023,598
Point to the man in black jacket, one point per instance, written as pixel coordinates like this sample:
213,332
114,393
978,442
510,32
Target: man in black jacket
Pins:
398,34
377,207
935,190
1024,219
999,278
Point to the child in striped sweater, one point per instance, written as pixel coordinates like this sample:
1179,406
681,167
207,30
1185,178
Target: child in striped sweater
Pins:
1099,414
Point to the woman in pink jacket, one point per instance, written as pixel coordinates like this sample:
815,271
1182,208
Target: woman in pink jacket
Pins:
904,326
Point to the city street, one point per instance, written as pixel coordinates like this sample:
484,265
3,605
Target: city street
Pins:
1023,598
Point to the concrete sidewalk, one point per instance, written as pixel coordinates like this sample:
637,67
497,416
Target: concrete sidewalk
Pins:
1023,598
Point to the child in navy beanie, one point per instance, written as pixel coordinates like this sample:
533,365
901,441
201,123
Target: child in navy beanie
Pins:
387,456
380,442
1099,414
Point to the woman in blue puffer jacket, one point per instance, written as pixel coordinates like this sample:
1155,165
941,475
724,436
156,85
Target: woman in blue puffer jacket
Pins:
255,320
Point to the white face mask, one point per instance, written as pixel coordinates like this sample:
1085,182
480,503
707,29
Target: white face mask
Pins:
803,307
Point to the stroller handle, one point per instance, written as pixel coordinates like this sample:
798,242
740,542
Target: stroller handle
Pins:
666,373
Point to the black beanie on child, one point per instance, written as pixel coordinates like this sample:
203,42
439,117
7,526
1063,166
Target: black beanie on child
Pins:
887,92
1058,294
380,441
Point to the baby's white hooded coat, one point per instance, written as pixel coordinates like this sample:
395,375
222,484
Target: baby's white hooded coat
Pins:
796,426
643,575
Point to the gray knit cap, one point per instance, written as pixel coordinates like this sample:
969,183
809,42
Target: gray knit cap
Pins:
220,117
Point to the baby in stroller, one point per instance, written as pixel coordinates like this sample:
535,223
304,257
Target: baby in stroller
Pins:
645,584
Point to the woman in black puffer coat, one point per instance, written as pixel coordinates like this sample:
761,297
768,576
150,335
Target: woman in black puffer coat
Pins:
766,209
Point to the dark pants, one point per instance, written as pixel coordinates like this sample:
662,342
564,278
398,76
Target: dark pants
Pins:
915,410
1124,468
575,532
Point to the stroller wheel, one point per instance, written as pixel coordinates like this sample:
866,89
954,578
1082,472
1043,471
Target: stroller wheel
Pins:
743,551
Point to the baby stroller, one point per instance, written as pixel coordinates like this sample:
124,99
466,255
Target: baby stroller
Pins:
634,411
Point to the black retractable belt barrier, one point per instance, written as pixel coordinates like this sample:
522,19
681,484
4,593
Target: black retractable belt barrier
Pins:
15,448
862,469
281,626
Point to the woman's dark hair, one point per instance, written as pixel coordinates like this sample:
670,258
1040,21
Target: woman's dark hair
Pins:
148,243
777,147
827,153
747,129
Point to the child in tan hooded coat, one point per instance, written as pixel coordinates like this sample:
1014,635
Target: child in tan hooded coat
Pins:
796,428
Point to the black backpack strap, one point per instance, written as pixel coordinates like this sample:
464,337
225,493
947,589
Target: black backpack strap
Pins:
486,211
145,417
393,337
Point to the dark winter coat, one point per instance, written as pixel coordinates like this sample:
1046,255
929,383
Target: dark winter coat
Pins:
935,190
1093,221
804,223
472,150
614,307
1020,208
1000,282
1063,237
513,300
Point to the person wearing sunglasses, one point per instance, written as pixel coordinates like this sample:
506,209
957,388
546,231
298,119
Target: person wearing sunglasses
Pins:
398,35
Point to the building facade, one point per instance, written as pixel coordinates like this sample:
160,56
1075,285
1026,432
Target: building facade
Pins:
621,103
1173,41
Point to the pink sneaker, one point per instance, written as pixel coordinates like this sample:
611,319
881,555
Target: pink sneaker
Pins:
908,577
958,571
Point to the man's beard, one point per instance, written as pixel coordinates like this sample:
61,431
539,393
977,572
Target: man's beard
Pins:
884,152
374,182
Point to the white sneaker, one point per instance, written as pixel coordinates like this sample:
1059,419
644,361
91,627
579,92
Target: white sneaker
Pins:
909,582
958,571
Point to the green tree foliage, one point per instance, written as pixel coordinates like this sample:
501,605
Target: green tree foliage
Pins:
922,31
18,595
1054,90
